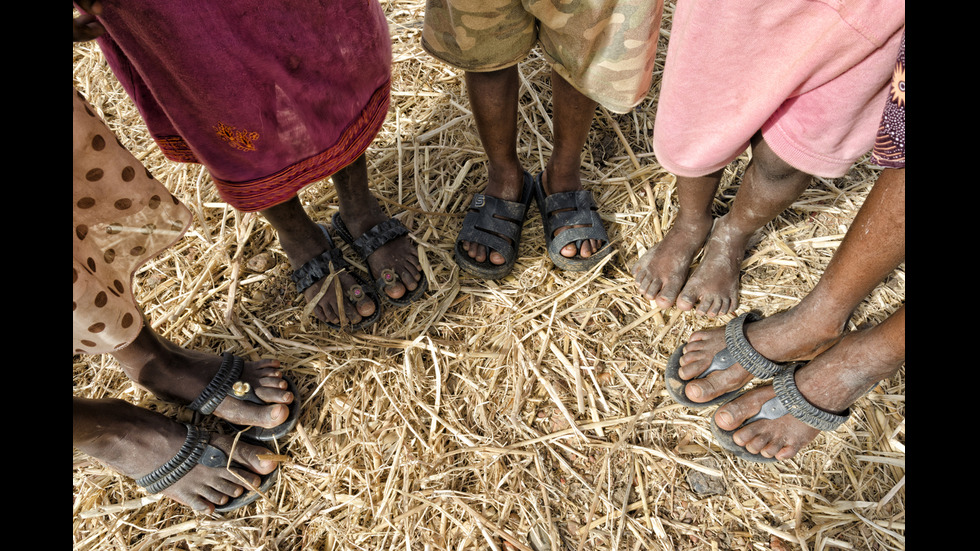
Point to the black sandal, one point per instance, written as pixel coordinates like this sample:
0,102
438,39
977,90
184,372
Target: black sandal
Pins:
496,224
372,240
566,210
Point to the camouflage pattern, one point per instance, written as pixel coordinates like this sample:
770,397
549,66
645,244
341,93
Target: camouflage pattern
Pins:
604,48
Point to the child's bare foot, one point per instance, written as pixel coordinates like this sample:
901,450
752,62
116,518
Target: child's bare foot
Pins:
135,442
713,286
176,374
830,383
784,337
661,271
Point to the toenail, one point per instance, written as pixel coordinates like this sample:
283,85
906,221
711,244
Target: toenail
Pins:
241,388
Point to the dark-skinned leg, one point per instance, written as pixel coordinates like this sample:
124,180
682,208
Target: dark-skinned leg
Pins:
873,247
360,212
832,382
573,113
769,186
134,442
662,271
176,374
493,98
302,239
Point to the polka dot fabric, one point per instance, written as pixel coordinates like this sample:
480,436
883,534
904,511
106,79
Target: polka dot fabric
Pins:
121,217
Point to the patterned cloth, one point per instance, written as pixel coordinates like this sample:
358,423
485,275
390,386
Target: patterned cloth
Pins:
605,49
268,98
810,75
889,150
121,217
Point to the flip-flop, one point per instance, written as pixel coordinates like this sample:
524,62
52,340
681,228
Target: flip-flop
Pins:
226,382
737,350
497,225
372,240
197,450
788,400
332,260
567,210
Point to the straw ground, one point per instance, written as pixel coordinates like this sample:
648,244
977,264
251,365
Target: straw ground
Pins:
529,413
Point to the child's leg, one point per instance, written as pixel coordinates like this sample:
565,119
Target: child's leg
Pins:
493,98
135,441
573,113
769,186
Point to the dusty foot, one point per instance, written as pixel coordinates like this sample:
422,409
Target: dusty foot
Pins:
554,181
399,255
134,442
713,287
506,184
179,375
661,272
784,337
832,382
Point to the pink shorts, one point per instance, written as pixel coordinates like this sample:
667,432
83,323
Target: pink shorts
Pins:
811,75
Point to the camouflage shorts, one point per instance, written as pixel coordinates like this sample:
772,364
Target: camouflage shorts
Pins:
604,48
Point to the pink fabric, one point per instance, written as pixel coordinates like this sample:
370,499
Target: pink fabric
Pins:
811,75
269,98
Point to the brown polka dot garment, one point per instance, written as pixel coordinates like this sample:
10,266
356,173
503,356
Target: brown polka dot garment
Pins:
121,217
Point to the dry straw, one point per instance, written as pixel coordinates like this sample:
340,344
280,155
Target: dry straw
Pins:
528,413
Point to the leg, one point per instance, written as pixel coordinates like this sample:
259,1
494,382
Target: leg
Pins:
135,441
360,212
572,122
302,239
493,98
873,247
770,186
831,382
177,374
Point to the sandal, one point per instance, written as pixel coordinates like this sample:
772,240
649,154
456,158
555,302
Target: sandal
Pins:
372,240
575,211
226,382
737,350
788,400
321,266
496,224
197,450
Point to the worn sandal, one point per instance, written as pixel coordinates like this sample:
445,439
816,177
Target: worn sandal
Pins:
737,350
372,240
496,224
568,210
197,450
319,267
788,400
226,382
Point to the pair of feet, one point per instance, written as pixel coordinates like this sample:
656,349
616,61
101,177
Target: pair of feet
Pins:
839,369
508,185
135,441
662,272
395,262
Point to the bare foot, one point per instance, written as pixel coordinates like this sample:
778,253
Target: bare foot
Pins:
179,375
831,382
134,442
661,272
713,287
788,336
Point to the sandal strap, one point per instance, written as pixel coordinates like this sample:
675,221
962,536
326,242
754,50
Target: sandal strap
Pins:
742,351
225,383
568,209
378,236
494,223
194,451
790,400
318,268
